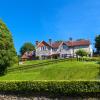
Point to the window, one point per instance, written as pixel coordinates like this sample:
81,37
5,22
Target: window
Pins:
49,48
64,47
43,48
54,49
64,55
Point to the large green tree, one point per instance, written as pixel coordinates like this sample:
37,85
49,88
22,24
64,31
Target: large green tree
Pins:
81,53
97,43
7,50
26,47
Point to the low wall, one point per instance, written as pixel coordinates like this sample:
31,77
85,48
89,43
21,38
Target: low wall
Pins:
20,97
40,97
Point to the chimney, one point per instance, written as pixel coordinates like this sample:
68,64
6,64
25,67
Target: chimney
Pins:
36,43
50,41
70,39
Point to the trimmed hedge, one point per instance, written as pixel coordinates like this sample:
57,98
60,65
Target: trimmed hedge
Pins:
91,58
50,87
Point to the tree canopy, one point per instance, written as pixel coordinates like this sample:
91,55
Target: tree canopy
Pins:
81,53
97,44
26,47
7,50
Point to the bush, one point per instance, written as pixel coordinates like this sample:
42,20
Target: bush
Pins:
81,53
92,58
37,57
5,60
51,87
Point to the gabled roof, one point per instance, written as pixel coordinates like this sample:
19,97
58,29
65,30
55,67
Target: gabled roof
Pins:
56,44
68,43
24,57
43,43
28,54
78,43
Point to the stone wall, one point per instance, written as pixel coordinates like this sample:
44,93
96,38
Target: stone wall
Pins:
18,97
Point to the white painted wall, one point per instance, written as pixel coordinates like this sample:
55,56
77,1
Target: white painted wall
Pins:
61,50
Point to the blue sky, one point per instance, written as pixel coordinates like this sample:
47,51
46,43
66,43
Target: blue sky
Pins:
31,20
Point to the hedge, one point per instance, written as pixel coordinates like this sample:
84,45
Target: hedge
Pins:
51,87
91,58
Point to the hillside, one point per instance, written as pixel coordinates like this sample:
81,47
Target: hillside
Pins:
66,70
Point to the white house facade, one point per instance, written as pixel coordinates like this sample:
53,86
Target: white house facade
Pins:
61,49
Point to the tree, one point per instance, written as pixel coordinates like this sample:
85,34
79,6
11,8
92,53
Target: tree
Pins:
98,68
26,47
70,38
97,44
7,50
81,53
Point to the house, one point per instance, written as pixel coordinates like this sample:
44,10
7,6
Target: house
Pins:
29,55
61,49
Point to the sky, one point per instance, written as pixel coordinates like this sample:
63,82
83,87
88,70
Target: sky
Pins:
32,20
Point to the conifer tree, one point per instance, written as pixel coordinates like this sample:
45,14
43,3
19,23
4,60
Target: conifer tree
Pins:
97,43
7,50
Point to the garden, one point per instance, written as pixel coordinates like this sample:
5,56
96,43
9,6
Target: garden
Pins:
52,77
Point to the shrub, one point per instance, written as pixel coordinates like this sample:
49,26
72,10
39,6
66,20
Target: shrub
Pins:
37,57
51,87
92,58
81,53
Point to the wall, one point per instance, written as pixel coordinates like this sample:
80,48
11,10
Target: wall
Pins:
19,97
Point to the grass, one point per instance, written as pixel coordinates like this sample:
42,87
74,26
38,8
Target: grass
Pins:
31,63
68,70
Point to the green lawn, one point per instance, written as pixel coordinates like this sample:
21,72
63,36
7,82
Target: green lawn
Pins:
31,62
68,70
